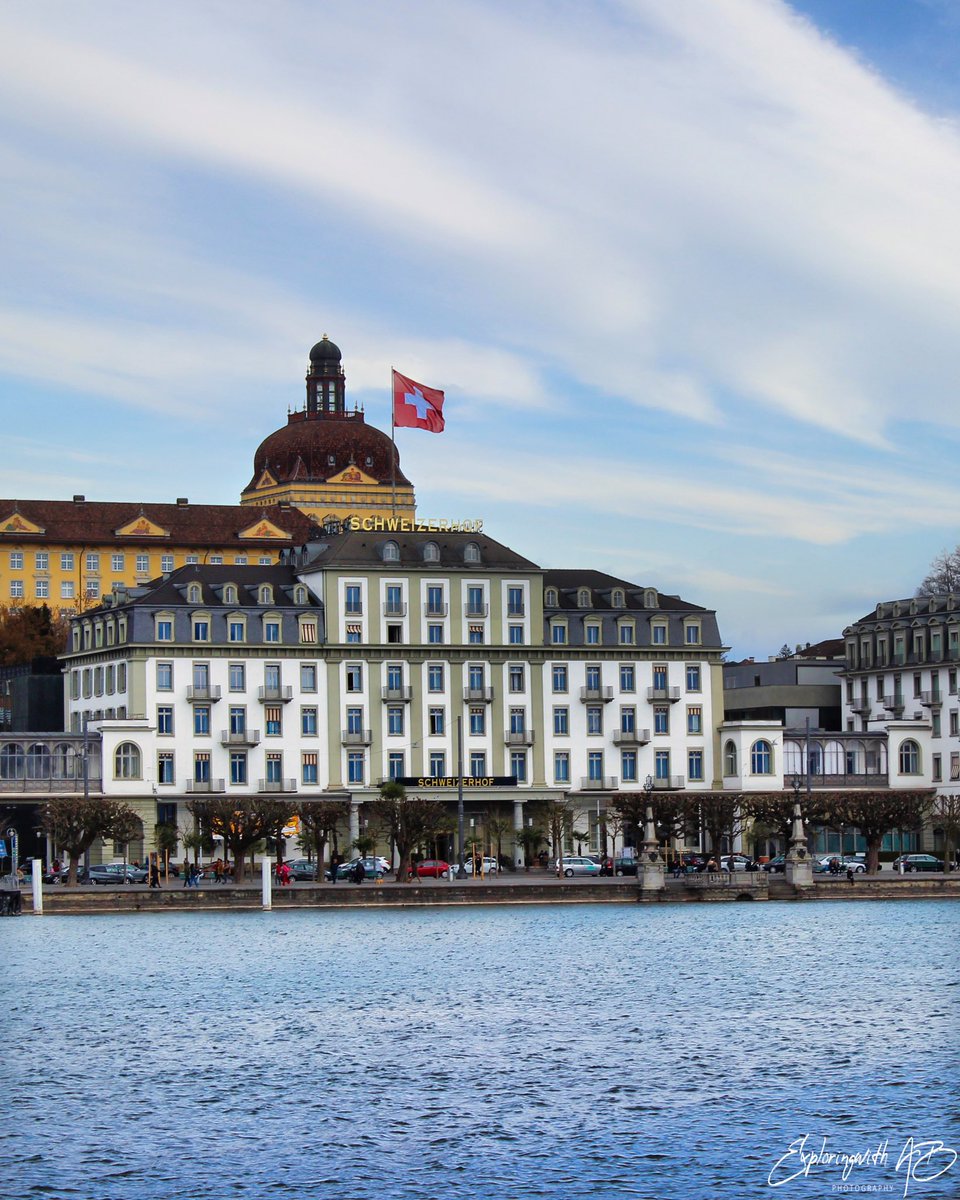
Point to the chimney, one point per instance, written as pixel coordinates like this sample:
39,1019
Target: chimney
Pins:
79,499
182,502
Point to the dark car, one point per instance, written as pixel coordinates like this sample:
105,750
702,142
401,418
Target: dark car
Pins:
777,865
116,873
302,870
373,868
625,866
918,862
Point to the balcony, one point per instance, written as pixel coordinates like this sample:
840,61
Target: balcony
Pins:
931,699
517,610
631,737
669,783
245,737
603,783
277,785
602,695
518,737
862,708
894,705
435,610
669,695
403,692
481,695
396,609
476,610
356,737
282,694
203,695
207,786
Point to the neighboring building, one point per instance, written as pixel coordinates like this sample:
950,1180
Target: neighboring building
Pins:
355,659
803,687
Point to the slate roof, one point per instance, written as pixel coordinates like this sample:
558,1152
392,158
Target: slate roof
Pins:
601,585
170,591
362,549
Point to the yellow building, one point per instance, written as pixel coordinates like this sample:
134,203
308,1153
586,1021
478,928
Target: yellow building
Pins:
325,464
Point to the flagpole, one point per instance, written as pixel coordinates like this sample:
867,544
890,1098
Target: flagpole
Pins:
393,445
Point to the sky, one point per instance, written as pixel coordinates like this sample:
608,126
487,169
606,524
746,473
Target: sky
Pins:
688,272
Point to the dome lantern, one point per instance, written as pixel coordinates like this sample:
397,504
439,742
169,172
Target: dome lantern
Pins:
325,380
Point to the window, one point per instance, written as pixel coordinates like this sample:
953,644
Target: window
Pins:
308,768
165,719
475,635
478,722
909,757
166,563
194,594
559,677
437,718
265,593
515,676
518,720
201,676
660,678
936,763
273,719
627,635
164,629
476,606
201,767
216,560
695,720
238,766
693,677
594,718
274,768
593,678
42,588
628,720
66,561
165,767
16,560
628,766
515,637
595,766
354,677
761,758
618,598
954,723
661,764
592,635
67,589
393,604
308,721
395,720
271,631
354,633
395,767
355,766
431,552
352,602
730,759
561,766
691,635
551,597
308,677
583,598
478,764
191,559
438,764
435,604
201,720
475,678
93,562
558,633
143,564
236,629
237,676
41,560
238,720
471,553
126,761
658,634
515,607
695,765
435,634
201,629
394,677
628,678
435,677
92,589
561,721
391,553
518,765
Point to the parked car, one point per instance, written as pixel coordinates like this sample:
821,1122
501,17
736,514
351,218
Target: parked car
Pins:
826,864
490,866
117,873
302,870
625,866
435,869
739,862
776,865
918,862
374,868
577,864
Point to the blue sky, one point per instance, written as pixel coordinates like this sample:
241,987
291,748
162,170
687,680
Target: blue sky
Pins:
688,272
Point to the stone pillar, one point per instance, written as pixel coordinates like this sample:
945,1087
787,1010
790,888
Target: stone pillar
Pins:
650,869
517,830
354,820
37,885
797,867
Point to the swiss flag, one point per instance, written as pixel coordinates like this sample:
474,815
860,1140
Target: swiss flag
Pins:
416,406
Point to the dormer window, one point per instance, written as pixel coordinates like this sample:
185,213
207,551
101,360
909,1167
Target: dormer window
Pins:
431,552
300,594
650,598
618,599
391,552
266,593
230,594
551,599
583,598
194,595
471,552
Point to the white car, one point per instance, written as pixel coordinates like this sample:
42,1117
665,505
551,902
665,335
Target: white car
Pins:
577,864
490,866
739,862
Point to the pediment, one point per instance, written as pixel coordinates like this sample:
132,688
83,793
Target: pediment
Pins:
352,474
17,523
266,480
264,529
142,526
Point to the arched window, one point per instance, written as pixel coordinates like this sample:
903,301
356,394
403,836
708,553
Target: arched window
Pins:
550,599
792,758
761,758
730,758
266,593
126,761
300,594
431,552
909,757
11,761
650,598
471,552
618,600
64,761
230,594
38,761
583,598
194,593
391,552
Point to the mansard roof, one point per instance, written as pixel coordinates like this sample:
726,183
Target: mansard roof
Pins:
602,585
171,591
365,550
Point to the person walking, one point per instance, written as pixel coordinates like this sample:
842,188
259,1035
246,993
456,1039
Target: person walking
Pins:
849,874
154,871
334,867
358,872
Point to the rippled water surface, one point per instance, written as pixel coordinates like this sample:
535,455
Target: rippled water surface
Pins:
608,1051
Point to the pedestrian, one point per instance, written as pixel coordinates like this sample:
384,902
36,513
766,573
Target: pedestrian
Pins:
187,875
218,871
334,867
358,872
154,871
678,869
849,874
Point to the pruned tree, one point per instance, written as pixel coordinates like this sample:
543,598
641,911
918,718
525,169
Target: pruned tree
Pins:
720,814
943,577
126,829
31,632
875,814
945,816
774,810
409,822
242,821
320,822
562,824
498,828
74,823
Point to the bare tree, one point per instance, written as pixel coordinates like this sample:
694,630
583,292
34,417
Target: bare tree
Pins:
242,822
943,578
876,814
74,823
775,810
409,821
320,822
945,815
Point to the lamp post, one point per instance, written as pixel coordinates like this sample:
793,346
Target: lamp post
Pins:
461,869
650,871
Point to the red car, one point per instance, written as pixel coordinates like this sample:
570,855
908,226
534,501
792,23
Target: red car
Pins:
432,868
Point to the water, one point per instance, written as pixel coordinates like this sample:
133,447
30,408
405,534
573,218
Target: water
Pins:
602,1051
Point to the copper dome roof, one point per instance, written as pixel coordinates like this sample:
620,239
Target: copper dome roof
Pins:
311,448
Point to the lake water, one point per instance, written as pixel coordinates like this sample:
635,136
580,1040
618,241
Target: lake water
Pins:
604,1051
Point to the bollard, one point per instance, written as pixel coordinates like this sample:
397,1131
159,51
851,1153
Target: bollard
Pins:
265,877
37,883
